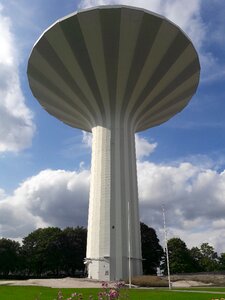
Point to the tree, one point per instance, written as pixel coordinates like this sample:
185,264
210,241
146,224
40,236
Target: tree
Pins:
222,261
74,249
209,261
196,255
42,250
205,258
9,256
179,257
51,250
151,250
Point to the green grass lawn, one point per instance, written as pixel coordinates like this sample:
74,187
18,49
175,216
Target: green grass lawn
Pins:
43,293
210,289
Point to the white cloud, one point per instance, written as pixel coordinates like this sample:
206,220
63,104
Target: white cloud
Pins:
58,197
51,198
87,139
16,126
16,221
164,184
143,147
193,196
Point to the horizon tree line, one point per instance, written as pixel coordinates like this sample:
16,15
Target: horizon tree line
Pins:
55,252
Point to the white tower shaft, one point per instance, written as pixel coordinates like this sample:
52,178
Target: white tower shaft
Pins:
113,185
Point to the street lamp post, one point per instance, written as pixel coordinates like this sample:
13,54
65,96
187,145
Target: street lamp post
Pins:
166,247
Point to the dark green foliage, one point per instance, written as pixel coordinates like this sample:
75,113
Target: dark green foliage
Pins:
196,255
55,252
45,252
74,252
209,261
9,256
151,250
205,257
52,251
222,262
42,250
179,257
183,260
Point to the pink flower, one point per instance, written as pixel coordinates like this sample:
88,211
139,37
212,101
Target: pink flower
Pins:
120,284
114,294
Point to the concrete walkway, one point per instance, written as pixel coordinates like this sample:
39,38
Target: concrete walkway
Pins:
56,283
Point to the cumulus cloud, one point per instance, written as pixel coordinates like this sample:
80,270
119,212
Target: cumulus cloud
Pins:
50,198
16,125
16,221
58,197
193,197
87,139
143,147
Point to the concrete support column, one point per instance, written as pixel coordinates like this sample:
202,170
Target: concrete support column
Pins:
113,184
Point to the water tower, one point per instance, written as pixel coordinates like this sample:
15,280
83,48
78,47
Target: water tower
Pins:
113,71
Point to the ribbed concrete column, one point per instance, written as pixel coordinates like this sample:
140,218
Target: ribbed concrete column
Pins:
113,184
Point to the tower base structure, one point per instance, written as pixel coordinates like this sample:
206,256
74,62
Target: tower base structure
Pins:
114,243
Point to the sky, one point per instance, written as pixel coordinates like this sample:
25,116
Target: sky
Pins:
45,165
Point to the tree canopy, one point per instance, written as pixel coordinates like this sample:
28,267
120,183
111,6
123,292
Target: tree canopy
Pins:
52,252
9,256
179,257
152,251
202,259
205,257
55,252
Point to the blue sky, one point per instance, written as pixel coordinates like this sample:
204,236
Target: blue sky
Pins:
45,165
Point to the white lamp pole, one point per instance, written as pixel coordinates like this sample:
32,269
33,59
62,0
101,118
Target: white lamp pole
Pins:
129,244
166,247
